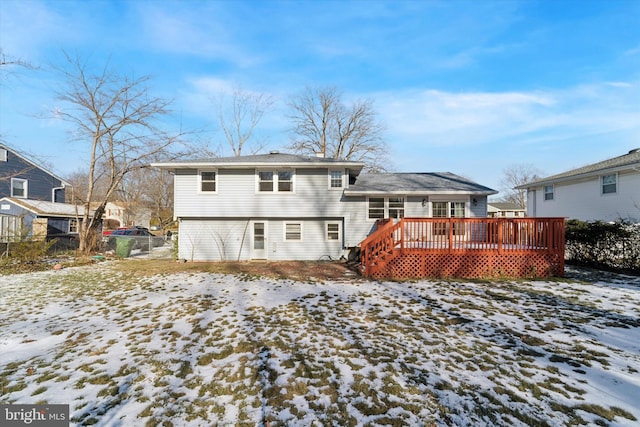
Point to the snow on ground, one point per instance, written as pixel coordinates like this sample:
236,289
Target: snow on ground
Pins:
198,349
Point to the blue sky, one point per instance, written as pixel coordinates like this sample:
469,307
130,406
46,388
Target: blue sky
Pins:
468,87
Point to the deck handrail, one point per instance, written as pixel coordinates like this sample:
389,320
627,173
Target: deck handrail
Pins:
492,236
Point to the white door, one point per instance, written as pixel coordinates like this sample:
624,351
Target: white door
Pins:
259,240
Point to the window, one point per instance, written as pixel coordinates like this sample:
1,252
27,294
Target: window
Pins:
19,188
609,184
292,231
548,192
275,181
396,207
448,210
386,207
440,209
333,231
335,179
208,181
457,210
285,181
3,155
376,207
73,225
265,181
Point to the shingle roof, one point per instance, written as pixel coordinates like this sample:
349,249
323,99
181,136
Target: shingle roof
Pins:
505,206
44,208
273,158
422,183
626,161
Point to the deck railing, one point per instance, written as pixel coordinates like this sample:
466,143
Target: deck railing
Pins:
510,246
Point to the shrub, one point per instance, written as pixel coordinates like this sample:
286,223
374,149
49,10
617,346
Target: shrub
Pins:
612,245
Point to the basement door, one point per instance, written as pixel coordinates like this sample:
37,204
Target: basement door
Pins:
259,240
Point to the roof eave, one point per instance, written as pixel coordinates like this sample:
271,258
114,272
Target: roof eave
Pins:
348,192
247,165
579,176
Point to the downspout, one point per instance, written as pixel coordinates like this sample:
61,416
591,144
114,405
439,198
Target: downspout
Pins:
53,192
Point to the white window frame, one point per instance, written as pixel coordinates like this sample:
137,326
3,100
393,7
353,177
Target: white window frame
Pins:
331,179
450,210
277,176
377,208
275,180
615,184
3,155
25,187
73,225
546,193
386,206
395,208
200,181
327,232
284,231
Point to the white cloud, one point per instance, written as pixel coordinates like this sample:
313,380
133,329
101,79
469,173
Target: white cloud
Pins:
476,118
200,32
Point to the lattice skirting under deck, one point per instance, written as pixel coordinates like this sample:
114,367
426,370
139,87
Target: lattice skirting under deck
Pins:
433,265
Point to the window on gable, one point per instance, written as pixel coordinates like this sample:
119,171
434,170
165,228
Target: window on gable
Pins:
548,192
335,179
610,184
292,231
19,188
333,231
3,155
208,181
285,181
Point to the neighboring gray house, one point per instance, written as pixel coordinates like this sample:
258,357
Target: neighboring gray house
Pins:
505,210
22,178
607,191
288,207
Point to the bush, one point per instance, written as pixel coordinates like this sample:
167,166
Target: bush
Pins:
613,246
27,250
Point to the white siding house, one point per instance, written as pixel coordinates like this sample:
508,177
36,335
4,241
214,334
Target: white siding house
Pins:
287,207
605,191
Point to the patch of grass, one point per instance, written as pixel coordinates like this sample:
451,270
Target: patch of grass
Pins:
38,391
608,414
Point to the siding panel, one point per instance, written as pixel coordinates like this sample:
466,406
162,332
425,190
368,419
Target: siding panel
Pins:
584,200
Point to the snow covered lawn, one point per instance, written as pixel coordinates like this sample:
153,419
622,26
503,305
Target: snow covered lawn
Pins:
200,349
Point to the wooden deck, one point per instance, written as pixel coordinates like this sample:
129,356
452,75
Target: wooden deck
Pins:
465,248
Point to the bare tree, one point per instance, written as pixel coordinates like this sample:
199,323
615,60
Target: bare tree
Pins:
514,176
149,190
8,62
239,115
323,124
115,115
159,193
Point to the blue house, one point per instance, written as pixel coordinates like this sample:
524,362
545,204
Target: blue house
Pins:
22,178
32,201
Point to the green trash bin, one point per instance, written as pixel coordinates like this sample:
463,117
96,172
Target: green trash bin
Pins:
124,245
